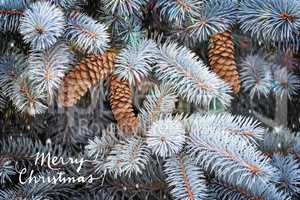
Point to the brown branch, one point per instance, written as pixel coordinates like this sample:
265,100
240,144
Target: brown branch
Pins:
186,180
85,31
11,12
240,190
285,16
252,168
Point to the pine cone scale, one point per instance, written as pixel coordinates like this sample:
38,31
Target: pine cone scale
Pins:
86,73
121,104
222,59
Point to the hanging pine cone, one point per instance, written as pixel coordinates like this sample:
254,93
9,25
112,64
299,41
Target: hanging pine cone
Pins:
222,59
86,73
121,104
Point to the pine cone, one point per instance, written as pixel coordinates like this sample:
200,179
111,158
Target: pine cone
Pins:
86,73
121,104
222,59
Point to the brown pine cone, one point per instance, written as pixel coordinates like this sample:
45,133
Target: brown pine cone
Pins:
86,73
222,59
121,105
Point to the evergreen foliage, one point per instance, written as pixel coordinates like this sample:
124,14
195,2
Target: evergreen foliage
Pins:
42,25
87,34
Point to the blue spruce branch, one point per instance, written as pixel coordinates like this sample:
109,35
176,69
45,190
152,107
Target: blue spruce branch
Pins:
190,78
185,178
42,25
87,34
